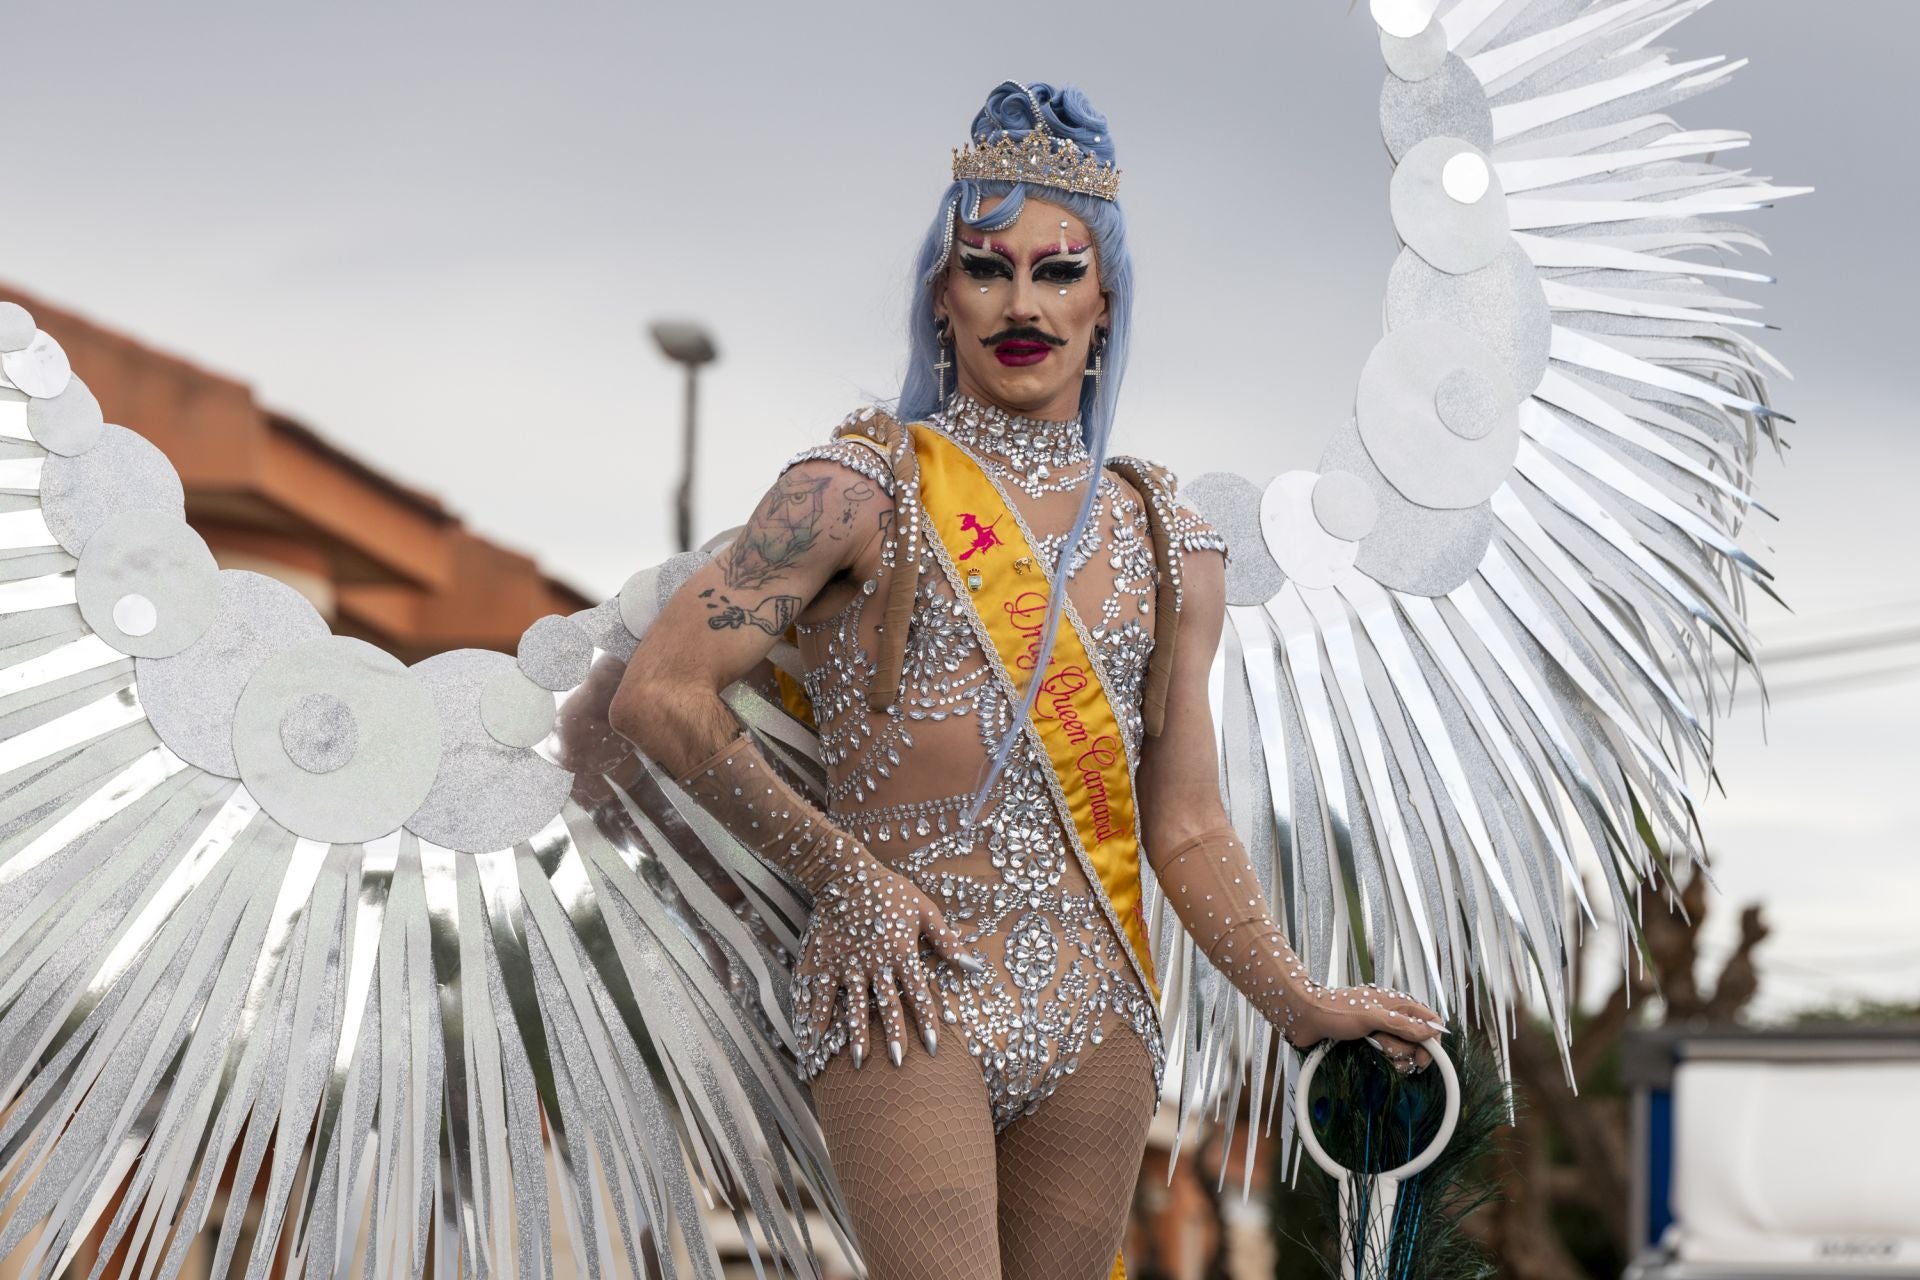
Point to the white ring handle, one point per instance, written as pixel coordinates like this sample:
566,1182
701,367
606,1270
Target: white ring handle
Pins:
1448,1119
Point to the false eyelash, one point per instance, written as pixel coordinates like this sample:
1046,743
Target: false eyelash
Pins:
1061,272
982,267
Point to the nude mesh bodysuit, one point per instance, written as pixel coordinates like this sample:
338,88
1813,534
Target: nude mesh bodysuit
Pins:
1014,886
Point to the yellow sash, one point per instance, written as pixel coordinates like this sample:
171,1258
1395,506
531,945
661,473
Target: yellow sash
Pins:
1008,585
793,695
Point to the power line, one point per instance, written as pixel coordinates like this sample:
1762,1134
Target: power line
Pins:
1894,607
1834,646
1843,681
1855,644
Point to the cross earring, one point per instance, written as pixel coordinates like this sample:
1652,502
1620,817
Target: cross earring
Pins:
1098,346
944,363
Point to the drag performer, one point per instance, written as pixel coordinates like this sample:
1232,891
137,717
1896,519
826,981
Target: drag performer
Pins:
335,962
986,608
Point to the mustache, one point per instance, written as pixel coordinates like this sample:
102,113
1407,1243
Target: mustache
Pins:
1022,333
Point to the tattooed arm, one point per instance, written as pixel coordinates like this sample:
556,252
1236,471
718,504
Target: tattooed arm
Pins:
808,536
819,521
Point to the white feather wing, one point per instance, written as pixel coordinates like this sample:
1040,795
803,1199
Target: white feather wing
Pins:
1474,651
408,952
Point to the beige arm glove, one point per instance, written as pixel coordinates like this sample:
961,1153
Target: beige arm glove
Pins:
1211,884
867,918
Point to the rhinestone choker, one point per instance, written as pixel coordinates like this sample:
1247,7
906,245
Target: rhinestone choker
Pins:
1031,450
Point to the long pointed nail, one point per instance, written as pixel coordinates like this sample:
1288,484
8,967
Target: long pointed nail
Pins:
859,1056
931,1038
893,1052
972,964
1438,1026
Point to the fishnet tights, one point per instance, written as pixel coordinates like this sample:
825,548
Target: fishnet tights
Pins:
936,1196
1067,1170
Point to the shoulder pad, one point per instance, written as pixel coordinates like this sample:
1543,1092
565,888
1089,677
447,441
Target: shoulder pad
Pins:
875,426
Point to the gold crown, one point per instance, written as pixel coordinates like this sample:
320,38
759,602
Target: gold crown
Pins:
1038,158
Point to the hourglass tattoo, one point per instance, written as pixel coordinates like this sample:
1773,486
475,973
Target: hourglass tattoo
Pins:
772,615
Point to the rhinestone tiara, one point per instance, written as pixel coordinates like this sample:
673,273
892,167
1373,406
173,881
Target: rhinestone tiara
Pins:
1038,158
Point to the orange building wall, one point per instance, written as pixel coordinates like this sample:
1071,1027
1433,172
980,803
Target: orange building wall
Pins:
381,560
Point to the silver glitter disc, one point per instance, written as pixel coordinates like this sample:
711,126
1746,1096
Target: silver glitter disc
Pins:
68,423
155,556
1231,504
1449,102
1425,551
604,627
1452,235
647,592
486,795
555,653
394,761
16,327
515,710
121,472
1417,56
319,732
40,368
1402,427
1344,505
190,697
639,600
1501,302
1469,406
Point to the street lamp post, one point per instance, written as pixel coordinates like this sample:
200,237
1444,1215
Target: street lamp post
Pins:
686,344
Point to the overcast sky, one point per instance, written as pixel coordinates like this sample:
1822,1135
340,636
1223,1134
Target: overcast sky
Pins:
434,232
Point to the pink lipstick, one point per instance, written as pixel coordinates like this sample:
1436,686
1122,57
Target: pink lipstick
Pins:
1019,352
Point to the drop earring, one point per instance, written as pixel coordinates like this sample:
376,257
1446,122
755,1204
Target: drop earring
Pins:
1098,348
945,362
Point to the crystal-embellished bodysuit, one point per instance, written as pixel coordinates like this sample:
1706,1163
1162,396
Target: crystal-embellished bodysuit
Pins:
1014,885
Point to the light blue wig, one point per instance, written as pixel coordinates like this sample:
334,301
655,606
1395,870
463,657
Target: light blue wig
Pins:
1011,111
1014,110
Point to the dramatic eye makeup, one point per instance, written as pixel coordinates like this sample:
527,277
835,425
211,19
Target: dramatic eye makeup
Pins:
1061,270
982,261
1064,265
984,266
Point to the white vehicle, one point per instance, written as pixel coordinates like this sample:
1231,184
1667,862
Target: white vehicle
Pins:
1775,1154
